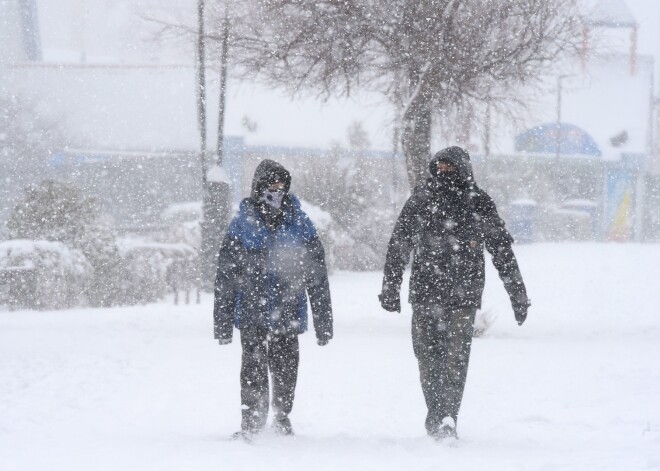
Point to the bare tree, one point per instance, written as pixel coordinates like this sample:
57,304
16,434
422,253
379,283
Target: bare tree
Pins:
429,57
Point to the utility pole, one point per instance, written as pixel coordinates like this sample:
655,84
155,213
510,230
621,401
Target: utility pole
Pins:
206,250
201,88
223,88
216,200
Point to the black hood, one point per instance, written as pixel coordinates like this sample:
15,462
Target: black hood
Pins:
267,173
458,157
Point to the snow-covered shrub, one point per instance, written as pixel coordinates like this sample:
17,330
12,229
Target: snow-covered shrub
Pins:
40,274
135,272
183,222
325,226
347,188
370,231
342,250
59,211
104,288
53,210
152,269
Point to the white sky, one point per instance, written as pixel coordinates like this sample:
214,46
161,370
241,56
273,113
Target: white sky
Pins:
112,31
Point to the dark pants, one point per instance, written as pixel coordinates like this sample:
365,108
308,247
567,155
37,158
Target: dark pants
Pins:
263,351
441,341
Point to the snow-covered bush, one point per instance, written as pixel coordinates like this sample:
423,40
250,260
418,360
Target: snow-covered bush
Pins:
183,222
346,187
371,230
59,211
80,260
40,274
152,269
53,210
343,251
325,226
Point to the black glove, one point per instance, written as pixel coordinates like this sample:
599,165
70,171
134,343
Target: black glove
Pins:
520,310
390,301
322,342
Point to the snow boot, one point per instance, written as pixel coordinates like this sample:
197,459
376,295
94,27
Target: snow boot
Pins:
446,430
283,426
241,435
244,435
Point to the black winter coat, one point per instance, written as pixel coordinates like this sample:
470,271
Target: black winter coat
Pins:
447,232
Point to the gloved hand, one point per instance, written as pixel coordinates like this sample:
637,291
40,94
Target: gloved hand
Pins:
224,341
520,310
390,301
322,342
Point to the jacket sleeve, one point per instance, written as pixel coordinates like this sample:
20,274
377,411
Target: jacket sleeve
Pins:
229,271
498,243
318,287
400,245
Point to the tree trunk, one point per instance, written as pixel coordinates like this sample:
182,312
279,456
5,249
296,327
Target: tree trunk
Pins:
416,139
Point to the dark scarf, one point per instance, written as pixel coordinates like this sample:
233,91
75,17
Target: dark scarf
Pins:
273,217
450,188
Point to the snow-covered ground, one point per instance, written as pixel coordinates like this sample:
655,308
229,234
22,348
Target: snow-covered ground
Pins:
146,388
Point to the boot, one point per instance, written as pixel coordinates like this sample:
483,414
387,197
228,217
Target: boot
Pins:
445,430
244,435
283,426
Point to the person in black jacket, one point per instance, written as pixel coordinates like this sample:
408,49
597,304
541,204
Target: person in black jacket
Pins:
446,223
271,258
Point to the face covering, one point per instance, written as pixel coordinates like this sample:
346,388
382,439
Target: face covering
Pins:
273,198
450,180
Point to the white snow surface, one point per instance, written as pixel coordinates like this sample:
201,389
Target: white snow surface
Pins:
147,387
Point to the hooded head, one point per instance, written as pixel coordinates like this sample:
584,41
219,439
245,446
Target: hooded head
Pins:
457,158
267,173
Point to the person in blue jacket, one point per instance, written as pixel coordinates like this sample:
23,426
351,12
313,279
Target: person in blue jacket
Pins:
271,259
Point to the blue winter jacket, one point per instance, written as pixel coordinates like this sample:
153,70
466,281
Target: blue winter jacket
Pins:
265,274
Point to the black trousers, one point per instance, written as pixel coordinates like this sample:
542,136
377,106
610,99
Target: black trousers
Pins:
263,351
442,339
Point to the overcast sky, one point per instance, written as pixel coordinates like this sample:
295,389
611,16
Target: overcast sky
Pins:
647,13
113,30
